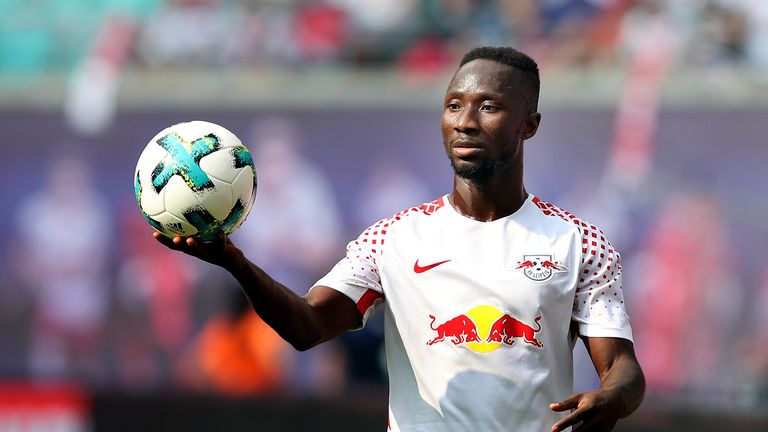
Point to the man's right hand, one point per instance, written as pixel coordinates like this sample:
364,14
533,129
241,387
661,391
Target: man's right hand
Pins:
221,251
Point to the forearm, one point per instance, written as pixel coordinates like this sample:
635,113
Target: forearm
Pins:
302,321
289,314
626,379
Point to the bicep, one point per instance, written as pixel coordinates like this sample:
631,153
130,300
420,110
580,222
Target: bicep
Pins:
336,312
357,286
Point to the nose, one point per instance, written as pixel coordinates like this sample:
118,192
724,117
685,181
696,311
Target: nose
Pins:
466,121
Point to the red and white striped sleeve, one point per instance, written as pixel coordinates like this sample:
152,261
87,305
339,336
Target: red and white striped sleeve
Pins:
357,274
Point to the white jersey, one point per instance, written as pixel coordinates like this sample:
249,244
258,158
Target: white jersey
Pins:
481,317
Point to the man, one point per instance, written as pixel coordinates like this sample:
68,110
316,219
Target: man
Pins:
509,279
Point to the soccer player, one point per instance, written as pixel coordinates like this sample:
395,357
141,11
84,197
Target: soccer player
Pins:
484,290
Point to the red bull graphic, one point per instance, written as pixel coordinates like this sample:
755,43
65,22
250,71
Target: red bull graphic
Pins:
485,328
524,264
539,268
462,329
507,328
550,265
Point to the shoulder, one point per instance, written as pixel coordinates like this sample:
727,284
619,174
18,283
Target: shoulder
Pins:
375,236
593,240
426,209
560,215
410,214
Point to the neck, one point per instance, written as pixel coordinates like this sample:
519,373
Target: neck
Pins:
492,199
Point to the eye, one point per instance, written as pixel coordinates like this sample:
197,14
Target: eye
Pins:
489,107
453,106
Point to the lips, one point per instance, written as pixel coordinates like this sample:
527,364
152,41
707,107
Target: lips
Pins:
464,149
467,144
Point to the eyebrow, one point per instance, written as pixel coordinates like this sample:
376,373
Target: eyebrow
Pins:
483,95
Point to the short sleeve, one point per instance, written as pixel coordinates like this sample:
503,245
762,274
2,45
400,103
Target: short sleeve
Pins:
599,307
357,274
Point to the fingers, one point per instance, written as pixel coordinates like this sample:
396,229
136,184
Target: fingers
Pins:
164,240
570,403
570,420
593,424
175,243
593,411
193,246
214,252
195,243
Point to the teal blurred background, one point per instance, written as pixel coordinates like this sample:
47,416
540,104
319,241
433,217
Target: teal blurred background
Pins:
654,123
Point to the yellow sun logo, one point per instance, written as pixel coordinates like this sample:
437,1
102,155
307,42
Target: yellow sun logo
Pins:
484,316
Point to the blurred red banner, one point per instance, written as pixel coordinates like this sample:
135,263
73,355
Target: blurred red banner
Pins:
59,407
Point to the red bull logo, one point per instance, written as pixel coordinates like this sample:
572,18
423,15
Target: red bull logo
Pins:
461,329
539,268
507,328
484,329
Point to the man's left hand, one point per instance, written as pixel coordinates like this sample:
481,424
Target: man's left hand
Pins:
597,410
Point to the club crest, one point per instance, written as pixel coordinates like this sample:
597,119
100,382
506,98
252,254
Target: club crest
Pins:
539,268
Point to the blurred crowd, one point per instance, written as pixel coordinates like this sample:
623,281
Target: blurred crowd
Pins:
101,303
427,35
415,35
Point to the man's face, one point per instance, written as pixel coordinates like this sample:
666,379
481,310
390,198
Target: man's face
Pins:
486,117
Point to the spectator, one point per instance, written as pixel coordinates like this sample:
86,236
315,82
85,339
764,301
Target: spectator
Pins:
64,234
236,353
685,313
153,311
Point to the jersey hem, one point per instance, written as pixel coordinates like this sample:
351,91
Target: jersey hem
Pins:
354,295
592,330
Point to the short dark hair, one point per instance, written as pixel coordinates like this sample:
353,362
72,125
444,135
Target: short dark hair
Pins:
513,58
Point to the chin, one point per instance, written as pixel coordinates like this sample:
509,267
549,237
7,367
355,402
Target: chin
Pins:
472,171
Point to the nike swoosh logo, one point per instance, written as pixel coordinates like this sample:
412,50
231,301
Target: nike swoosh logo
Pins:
419,269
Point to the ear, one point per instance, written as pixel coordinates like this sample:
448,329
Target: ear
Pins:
531,125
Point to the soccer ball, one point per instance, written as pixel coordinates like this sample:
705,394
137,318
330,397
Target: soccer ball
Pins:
195,179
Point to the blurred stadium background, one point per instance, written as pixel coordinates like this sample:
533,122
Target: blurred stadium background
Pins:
655,118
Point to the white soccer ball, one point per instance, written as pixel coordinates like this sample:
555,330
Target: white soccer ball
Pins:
195,179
